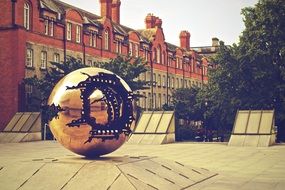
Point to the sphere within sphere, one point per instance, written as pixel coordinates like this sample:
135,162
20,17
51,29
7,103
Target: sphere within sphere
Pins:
93,108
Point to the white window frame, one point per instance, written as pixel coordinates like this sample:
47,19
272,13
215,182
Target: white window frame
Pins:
159,101
159,80
107,39
56,57
51,28
158,54
78,33
43,60
46,23
27,16
29,57
119,47
136,50
146,54
92,39
131,49
68,31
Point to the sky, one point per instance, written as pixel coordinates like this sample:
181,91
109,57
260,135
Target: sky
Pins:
204,19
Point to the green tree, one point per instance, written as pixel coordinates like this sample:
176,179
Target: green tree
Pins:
129,69
126,67
251,75
185,104
248,75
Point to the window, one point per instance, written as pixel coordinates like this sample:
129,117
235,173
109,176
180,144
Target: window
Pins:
89,63
106,47
78,34
159,101
131,49
93,39
177,83
163,81
169,61
154,55
177,62
136,50
173,82
158,54
68,31
164,101
148,76
29,89
159,80
29,58
46,27
119,47
154,79
51,28
27,16
154,101
43,60
181,83
168,82
149,100
146,54
163,58
56,58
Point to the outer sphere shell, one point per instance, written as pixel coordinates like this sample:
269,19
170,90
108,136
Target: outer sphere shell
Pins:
74,138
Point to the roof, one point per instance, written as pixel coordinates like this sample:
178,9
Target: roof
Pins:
148,34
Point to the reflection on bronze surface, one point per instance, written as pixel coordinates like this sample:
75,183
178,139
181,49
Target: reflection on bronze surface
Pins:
97,111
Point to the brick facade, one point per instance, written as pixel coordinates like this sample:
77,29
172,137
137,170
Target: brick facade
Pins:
30,29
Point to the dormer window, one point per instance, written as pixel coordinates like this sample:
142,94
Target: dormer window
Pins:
92,39
27,16
49,27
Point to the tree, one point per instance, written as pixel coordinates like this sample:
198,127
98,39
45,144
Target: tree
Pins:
185,104
129,69
251,75
126,67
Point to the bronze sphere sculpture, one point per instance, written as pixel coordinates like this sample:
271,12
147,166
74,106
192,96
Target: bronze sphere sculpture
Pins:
93,111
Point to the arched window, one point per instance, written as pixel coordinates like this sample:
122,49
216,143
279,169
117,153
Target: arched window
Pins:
107,39
158,54
27,11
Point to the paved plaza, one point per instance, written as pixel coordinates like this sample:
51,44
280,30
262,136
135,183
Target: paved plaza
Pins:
243,168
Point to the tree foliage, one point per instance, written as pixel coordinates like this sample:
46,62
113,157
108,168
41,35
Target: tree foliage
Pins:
251,74
126,67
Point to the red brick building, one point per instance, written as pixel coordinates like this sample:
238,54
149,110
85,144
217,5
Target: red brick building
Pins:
35,32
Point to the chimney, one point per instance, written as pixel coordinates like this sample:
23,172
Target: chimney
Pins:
150,21
116,11
185,39
106,10
215,42
158,22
